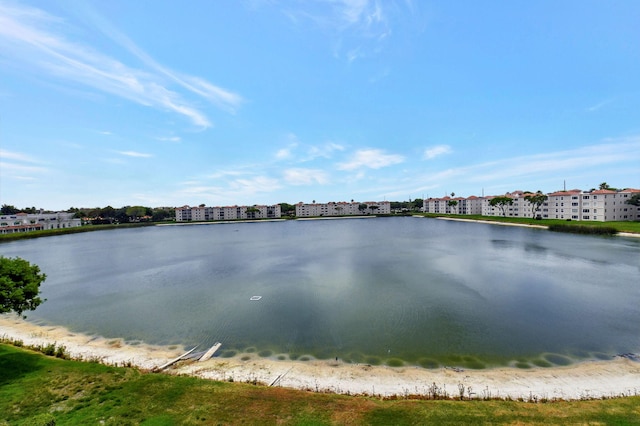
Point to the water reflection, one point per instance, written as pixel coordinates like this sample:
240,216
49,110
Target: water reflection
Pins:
395,290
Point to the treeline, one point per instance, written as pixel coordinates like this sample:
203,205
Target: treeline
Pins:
105,215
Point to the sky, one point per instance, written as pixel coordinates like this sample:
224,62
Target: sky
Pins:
168,103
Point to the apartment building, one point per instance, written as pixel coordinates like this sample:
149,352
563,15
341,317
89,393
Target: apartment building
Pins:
596,205
601,205
202,213
342,208
23,222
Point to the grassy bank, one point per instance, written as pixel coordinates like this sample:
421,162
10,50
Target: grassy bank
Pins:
36,387
54,232
632,227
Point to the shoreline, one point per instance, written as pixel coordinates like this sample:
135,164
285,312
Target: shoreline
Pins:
585,380
523,225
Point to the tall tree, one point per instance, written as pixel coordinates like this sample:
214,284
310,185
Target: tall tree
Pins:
8,209
536,200
501,203
19,285
454,205
604,185
634,200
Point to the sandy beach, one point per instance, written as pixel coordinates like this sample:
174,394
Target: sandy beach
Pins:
589,379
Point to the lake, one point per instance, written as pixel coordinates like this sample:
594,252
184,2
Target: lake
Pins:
392,291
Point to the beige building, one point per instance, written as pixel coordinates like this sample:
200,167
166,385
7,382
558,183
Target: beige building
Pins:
203,213
343,208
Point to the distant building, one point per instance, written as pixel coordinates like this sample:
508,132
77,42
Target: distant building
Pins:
343,209
202,213
23,222
602,205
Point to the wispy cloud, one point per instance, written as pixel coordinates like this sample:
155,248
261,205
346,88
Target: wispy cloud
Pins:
18,166
170,139
300,176
435,151
372,159
299,152
33,38
359,26
135,154
17,156
534,169
599,105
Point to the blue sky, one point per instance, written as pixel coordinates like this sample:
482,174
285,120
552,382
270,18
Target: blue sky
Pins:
167,103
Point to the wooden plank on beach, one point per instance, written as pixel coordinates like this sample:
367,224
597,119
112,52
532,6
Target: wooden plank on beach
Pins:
173,361
210,352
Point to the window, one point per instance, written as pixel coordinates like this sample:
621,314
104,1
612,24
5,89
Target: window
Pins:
585,217
585,210
585,197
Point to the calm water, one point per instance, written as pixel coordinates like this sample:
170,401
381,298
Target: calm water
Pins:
388,290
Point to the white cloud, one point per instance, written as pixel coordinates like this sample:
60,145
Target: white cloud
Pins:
325,150
371,158
305,176
16,156
134,154
12,168
435,151
30,38
599,161
169,139
255,185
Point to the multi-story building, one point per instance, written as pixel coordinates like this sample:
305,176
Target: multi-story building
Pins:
596,205
24,222
203,213
342,208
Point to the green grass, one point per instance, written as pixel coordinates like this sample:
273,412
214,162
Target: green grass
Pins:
35,388
64,231
632,227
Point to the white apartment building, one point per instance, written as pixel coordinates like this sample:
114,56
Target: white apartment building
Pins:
23,222
342,208
597,205
202,213
602,205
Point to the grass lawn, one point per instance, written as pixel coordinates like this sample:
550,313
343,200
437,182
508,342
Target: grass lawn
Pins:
35,389
633,227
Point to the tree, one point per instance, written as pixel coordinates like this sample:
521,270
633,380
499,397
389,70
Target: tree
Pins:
251,212
453,204
634,200
19,285
604,185
287,209
362,207
536,200
501,203
135,212
8,209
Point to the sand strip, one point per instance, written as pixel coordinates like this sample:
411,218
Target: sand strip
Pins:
589,379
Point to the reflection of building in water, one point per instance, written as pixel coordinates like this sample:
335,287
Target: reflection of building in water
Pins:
597,205
202,213
24,222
